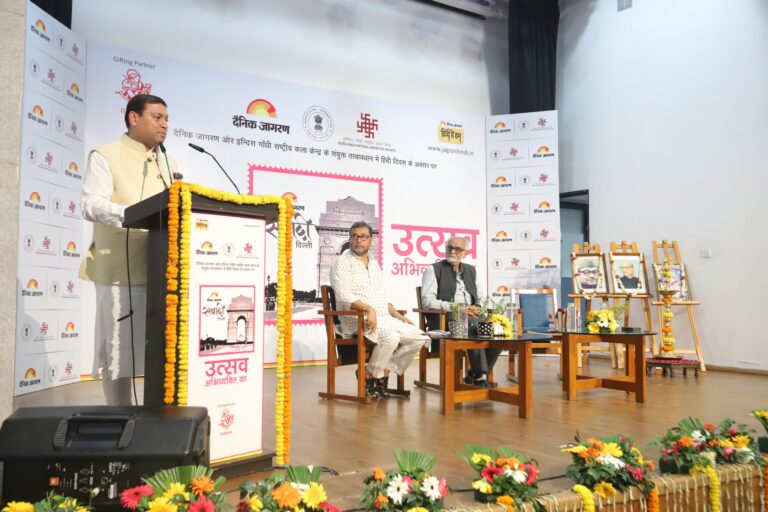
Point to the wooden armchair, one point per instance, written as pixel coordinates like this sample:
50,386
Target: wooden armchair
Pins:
434,350
345,351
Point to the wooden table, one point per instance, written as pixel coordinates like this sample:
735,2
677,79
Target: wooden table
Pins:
632,382
454,391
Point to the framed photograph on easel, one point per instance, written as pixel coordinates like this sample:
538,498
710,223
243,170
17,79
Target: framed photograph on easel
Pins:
679,281
588,271
628,273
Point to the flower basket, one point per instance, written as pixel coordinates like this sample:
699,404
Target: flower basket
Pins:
762,443
184,488
609,465
669,466
298,489
602,321
503,476
411,486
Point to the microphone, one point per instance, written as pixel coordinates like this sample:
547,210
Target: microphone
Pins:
198,148
167,165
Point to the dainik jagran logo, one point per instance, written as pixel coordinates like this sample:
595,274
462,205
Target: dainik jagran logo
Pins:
543,152
30,378
544,207
501,182
132,85
501,237
545,262
260,108
37,115
40,30
500,127
206,249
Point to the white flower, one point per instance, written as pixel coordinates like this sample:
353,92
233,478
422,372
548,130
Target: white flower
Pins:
610,459
431,487
519,476
744,455
302,488
710,456
698,437
398,489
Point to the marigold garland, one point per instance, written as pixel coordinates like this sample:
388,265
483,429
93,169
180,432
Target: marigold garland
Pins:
714,486
765,482
652,502
587,500
177,300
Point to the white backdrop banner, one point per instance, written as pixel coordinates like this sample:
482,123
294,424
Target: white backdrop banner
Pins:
523,202
413,173
49,331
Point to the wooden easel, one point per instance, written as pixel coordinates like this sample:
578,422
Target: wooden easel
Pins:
670,251
584,349
645,298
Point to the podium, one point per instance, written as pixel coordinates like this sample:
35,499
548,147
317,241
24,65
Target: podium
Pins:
222,306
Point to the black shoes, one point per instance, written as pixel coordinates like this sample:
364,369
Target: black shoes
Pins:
375,388
472,380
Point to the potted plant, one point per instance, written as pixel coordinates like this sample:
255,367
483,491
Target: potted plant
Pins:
457,325
410,486
609,465
503,476
298,489
484,324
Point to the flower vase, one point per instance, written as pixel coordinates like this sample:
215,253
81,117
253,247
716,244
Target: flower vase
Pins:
762,443
670,467
485,329
457,329
485,498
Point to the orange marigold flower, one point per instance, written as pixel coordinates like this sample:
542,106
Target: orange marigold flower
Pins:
201,485
714,442
651,466
287,496
709,426
380,501
507,502
686,441
378,474
584,454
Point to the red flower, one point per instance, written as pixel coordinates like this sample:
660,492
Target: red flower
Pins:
732,432
328,507
533,474
243,506
203,505
130,498
637,473
708,426
489,472
443,486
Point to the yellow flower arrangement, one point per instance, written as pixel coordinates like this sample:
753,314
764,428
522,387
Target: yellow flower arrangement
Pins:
601,320
177,300
504,322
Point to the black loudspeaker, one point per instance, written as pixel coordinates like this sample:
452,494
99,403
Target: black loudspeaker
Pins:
94,453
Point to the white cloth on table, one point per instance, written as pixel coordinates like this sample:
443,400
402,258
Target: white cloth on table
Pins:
397,342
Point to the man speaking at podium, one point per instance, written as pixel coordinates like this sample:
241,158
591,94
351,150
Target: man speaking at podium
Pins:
118,175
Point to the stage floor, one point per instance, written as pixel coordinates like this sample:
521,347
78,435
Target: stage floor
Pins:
351,438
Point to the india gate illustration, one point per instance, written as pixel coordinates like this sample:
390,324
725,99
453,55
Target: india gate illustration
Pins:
240,318
333,233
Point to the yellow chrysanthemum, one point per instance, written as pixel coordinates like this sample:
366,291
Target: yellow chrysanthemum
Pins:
611,449
174,489
482,485
161,504
727,442
593,328
605,489
740,441
417,509
640,458
81,509
255,504
19,506
479,458
315,495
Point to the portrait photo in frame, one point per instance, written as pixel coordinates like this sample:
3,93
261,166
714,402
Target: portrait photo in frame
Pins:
679,281
588,271
628,273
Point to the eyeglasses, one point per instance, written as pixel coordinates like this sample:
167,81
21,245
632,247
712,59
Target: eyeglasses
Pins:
589,272
453,248
359,237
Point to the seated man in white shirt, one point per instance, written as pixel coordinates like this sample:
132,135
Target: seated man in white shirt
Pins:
448,281
358,283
